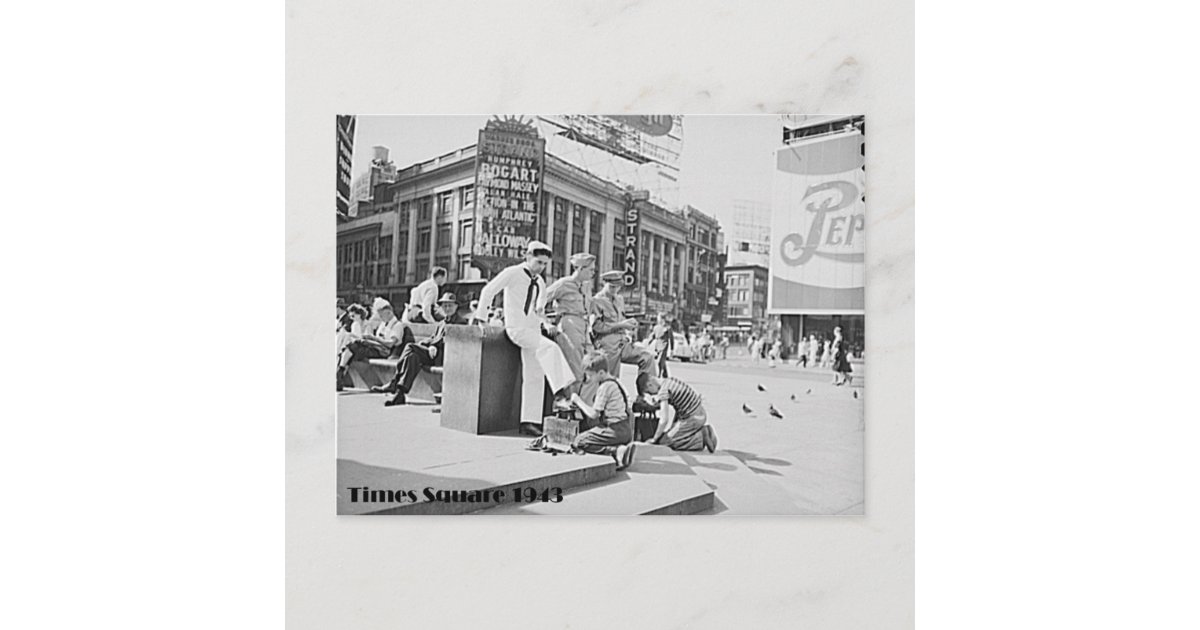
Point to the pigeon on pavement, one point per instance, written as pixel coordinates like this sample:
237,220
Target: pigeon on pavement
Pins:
808,392
774,412
793,398
761,388
856,393
746,409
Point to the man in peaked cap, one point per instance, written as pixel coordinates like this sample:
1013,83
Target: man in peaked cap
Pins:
524,320
612,332
570,297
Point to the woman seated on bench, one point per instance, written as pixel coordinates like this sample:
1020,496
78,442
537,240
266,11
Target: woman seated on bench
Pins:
353,329
388,339
420,355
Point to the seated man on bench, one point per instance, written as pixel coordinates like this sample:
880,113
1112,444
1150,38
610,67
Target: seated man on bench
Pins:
388,339
421,354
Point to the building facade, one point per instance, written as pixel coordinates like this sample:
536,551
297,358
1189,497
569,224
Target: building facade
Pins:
702,278
746,297
381,171
425,218
750,236
818,230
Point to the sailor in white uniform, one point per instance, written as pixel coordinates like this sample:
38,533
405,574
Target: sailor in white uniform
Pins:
524,322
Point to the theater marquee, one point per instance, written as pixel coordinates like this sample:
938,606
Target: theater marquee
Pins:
509,169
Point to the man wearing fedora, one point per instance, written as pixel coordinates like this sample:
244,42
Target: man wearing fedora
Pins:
612,332
420,354
570,298
524,323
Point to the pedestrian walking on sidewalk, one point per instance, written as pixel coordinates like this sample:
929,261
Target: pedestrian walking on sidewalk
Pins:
841,359
664,342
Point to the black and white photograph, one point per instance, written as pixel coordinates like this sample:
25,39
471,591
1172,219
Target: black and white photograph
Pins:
600,315
600,260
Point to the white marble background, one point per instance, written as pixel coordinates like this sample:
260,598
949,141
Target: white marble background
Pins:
648,56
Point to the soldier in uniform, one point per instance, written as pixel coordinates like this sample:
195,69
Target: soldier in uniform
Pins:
613,331
569,297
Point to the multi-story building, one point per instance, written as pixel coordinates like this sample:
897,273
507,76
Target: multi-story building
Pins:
746,297
750,237
426,218
702,285
380,171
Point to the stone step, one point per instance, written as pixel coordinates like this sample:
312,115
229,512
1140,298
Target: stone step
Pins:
739,490
503,474
658,482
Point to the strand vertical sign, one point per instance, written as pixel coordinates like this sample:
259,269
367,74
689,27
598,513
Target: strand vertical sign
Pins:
818,223
509,169
345,157
633,233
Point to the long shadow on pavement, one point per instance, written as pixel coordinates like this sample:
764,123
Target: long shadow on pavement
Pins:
749,459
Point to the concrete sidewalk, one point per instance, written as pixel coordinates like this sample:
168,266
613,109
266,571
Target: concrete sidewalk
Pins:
857,367
814,454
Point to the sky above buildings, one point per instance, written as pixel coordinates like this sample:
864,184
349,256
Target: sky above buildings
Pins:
724,158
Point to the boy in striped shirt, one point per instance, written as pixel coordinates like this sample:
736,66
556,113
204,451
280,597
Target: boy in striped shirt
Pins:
682,420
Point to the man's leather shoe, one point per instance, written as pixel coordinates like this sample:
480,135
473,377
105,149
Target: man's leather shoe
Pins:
399,399
531,429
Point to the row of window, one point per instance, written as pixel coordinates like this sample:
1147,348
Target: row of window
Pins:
740,280
445,204
744,311
662,275
706,237
364,250
739,295
366,274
